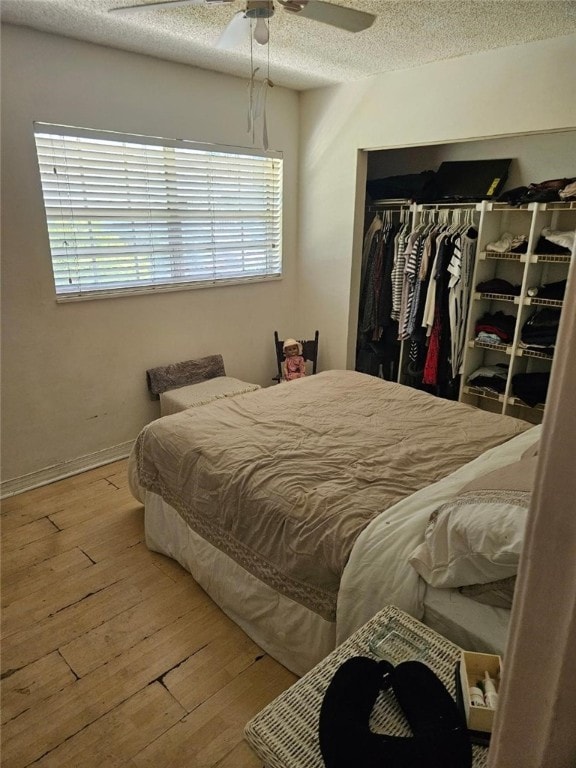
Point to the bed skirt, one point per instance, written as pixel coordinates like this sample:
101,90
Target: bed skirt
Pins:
289,632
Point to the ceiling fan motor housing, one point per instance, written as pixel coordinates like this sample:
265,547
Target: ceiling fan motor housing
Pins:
259,9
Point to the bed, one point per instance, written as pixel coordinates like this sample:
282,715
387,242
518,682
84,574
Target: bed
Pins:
297,508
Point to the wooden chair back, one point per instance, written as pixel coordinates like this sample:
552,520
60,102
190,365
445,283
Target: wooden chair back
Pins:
309,352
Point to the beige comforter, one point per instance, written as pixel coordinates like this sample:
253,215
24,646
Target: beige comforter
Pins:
284,479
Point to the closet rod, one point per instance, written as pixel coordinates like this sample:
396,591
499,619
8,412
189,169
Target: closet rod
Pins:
442,206
392,201
389,205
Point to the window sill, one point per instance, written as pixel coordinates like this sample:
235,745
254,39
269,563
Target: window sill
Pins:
148,290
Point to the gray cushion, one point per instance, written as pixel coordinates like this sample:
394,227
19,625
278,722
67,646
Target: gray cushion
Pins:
176,400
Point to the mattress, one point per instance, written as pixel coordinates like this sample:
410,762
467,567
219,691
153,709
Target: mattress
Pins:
471,625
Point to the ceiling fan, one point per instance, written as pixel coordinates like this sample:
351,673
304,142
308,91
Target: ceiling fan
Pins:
260,10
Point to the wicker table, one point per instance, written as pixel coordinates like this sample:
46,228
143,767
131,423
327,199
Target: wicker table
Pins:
285,733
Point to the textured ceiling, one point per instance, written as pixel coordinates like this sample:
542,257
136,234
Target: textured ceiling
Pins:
304,53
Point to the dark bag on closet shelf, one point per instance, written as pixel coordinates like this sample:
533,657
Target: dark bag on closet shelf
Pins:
556,184
553,291
411,186
513,196
543,317
532,388
543,192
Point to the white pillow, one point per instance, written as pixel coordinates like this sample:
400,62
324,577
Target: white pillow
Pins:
477,537
474,539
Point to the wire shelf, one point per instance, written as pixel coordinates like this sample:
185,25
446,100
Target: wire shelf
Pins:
560,205
536,302
521,352
506,256
391,202
555,205
496,297
475,344
507,207
521,404
454,204
481,392
551,258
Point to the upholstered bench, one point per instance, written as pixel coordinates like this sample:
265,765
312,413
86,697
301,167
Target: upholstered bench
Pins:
193,382
175,400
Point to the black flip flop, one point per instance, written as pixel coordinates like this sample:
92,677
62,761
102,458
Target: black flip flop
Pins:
346,740
432,715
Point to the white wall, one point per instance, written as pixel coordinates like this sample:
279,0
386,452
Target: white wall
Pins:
74,374
528,88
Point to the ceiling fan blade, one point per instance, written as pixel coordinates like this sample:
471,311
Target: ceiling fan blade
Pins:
237,32
155,6
337,15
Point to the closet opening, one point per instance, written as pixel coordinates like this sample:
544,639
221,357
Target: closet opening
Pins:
419,306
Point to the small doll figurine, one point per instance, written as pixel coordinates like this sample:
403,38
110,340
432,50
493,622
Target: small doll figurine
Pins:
294,365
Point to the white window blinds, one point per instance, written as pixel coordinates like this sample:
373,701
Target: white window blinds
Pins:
131,213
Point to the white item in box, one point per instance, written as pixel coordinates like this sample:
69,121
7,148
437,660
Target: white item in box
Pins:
473,667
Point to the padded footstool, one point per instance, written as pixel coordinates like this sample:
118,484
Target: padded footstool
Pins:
175,400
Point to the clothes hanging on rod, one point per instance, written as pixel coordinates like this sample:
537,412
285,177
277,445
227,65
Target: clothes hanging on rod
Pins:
371,280
377,329
419,276
415,289
461,269
379,254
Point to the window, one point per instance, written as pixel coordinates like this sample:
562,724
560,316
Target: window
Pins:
135,213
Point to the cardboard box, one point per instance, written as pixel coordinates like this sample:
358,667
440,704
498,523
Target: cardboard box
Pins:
472,669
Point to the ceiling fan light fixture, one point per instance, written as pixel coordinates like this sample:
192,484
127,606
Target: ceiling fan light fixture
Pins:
261,32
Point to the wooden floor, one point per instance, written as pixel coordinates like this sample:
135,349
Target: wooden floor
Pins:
111,654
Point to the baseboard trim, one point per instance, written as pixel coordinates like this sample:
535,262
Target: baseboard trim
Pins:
65,469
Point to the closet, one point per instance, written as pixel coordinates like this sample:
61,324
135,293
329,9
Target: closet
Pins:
496,285
529,315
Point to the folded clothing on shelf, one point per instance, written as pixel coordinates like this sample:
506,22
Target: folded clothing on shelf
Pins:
553,291
491,384
491,377
532,388
545,349
551,241
497,285
498,323
541,327
564,238
488,338
545,246
543,317
520,246
509,242
569,192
